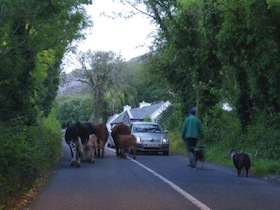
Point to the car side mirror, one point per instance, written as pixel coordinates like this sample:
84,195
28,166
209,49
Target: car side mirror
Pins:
165,131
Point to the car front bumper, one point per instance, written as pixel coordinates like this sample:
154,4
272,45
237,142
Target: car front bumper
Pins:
152,148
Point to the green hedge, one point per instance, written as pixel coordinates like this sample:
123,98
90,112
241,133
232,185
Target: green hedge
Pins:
26,155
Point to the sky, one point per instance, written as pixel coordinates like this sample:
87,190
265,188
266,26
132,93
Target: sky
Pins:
128,37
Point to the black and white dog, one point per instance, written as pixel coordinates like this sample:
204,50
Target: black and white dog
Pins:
240,160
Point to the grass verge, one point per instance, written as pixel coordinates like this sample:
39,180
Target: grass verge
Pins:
219,154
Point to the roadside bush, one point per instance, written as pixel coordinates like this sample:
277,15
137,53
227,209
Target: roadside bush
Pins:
222,127
172,118
177,145
264,139
26,155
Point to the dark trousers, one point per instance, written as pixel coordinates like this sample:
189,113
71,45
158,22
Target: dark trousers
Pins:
191,143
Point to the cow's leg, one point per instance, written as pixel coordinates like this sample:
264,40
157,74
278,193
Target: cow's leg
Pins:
102,147
91,145
78,159
95,146
79,151
122,151
73,149
81,148
117,149
134,152
91,153
98,150
87,155
103,151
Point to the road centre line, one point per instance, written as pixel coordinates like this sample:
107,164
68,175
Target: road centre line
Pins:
192,199
189,197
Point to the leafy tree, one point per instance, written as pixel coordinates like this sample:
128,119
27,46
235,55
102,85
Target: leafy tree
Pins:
33,39
248,45
186,51
216,51
100,71
140,85
264,61
234,49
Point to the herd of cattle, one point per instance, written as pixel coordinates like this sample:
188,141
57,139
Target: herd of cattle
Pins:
87,141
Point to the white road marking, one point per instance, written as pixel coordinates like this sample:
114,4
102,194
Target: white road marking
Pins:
192,199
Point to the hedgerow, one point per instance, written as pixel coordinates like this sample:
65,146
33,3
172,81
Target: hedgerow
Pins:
26,154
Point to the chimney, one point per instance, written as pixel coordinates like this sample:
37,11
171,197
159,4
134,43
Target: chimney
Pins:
126,108
143,104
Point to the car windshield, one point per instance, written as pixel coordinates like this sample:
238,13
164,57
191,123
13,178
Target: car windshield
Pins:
146,129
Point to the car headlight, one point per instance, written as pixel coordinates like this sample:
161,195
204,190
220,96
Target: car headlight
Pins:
138,140
164,140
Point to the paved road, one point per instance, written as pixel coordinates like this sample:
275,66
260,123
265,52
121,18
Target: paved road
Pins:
152,182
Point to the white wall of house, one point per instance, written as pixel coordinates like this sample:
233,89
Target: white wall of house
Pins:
158,112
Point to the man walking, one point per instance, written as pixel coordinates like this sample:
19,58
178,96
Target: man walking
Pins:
192,130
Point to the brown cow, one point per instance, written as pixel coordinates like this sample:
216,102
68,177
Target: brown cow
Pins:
90,148
119,129
102,135
127,142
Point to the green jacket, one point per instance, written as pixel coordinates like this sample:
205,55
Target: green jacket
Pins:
192,128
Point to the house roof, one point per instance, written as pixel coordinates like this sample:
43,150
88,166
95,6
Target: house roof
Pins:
138,114
147,111
120,118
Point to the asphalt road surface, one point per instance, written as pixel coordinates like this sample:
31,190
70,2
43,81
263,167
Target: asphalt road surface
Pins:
152,182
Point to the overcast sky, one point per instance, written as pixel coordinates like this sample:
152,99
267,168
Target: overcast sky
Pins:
128,37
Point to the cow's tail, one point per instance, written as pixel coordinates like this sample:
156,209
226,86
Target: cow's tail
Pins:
66,137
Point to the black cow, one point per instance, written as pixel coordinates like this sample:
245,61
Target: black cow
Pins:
76,136
91,128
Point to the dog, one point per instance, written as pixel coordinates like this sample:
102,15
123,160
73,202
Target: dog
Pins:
196,155
240,160
199,155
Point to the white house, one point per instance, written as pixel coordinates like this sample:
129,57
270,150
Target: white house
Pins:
145,110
